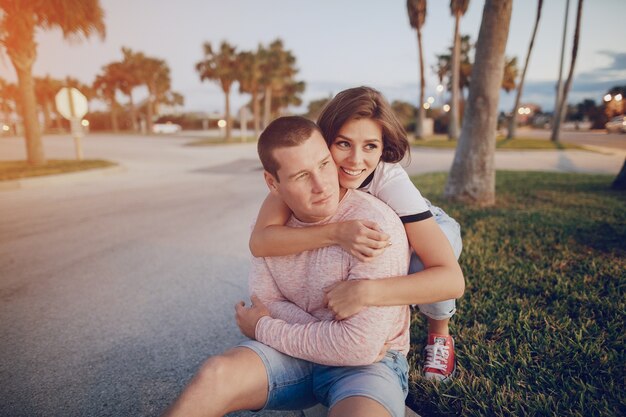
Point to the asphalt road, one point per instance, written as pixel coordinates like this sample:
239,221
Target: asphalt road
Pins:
113,290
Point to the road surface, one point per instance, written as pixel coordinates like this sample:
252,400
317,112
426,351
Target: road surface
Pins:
113,290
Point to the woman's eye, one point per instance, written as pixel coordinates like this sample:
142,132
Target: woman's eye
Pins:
342,144
371,147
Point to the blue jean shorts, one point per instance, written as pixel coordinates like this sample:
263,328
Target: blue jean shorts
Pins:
296,384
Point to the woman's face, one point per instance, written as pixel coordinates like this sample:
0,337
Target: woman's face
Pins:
357,150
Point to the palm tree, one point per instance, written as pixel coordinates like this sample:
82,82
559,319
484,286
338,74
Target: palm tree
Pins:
18,22
520,87
222,67
130,64
560,111
46,89
510,74
250,82
472,176
155,75
278,68
107,84
417,16
458,9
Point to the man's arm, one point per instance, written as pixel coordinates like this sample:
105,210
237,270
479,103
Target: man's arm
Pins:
262,284
355,341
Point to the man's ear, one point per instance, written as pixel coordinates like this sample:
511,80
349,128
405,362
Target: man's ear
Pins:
271,181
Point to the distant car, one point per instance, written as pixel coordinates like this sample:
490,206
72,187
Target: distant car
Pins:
616,125
168,127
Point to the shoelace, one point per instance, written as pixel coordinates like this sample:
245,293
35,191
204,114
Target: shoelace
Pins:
436,357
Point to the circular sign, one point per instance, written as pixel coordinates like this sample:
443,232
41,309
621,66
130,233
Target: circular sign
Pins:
71,103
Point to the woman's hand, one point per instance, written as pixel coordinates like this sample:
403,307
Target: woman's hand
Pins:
346,298
361,238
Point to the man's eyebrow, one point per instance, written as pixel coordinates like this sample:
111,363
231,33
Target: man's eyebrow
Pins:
326,158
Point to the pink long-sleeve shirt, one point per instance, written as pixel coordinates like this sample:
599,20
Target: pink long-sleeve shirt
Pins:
292,288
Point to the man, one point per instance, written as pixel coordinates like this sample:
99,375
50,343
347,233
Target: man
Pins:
301,356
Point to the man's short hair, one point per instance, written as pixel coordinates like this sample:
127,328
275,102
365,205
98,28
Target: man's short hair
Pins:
283,132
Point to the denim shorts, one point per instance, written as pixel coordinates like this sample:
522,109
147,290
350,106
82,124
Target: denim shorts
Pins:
296,384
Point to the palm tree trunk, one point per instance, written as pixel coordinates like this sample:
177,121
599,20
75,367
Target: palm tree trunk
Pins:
419,123
34,147
267,108
453,126
114,123
256,110
46,108
556,117
133,112
472,176
150,109
229,119
556,129
520,87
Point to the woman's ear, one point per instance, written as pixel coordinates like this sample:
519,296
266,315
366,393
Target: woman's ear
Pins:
271,181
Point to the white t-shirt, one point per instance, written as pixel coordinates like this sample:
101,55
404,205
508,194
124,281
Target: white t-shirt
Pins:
391,184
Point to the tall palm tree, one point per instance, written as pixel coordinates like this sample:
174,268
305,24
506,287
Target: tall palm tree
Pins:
520,87
472,176
222,67
250,82
155,75
509,74
18,21
46,89
560,111
107,84
279,69
130,64
458,9
417,17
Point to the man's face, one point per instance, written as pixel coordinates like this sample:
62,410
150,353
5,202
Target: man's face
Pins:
308,179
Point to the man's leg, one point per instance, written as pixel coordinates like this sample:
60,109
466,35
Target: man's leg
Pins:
378,389
234,380
358,406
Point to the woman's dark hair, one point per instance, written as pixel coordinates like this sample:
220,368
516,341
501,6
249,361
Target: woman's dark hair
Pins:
365,103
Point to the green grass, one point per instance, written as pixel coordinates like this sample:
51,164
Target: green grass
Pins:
442,142
220,141
13,170
540,329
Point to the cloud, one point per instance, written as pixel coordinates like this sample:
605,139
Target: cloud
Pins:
615,70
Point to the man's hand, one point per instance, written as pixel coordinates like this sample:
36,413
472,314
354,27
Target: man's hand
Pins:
248,317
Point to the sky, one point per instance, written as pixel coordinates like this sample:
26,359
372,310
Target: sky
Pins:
339,44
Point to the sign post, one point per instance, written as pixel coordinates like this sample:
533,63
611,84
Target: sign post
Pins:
72,105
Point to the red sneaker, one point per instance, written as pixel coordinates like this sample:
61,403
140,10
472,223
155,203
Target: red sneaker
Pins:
439,362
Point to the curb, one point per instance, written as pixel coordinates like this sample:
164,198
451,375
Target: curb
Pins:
70,177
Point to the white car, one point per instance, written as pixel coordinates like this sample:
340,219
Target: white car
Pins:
168,127
616,125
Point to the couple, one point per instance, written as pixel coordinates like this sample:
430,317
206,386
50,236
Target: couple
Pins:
325,326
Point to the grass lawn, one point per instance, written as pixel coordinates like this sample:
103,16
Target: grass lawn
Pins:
540,329
13,170
220,141
521,143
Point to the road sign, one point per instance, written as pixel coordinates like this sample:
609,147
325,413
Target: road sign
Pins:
71,103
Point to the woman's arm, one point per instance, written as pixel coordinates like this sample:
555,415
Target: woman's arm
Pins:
441,279
270,236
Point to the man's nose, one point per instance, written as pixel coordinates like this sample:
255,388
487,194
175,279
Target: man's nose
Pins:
319,184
